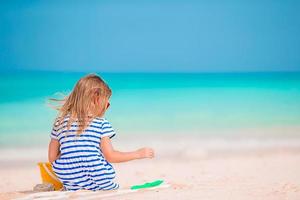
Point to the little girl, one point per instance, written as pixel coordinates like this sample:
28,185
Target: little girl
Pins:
80,149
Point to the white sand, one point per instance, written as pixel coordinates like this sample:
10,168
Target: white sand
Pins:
195,168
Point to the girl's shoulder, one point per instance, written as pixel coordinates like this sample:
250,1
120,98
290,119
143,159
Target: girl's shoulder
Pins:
60,122
99,120
61,119
58,127
106,128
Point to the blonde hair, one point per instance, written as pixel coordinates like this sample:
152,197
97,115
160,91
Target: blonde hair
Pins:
80,103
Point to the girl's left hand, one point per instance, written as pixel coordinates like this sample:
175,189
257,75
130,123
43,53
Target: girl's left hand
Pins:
145,153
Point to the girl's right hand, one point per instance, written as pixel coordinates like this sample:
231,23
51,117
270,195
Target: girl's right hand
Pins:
145,153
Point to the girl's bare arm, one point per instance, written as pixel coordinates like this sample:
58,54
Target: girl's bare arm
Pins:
114,156
53,150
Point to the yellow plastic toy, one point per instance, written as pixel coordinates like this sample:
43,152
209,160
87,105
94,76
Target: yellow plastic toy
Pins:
48,176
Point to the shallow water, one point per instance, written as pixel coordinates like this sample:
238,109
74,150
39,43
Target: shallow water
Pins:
155,103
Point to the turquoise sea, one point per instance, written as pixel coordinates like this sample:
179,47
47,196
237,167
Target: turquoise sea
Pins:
155,103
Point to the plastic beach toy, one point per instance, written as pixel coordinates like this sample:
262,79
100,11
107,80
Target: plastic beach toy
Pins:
147,185
48,176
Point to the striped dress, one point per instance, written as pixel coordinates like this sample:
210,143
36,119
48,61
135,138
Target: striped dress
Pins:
82,164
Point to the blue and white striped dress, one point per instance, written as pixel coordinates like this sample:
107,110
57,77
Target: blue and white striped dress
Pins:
82,164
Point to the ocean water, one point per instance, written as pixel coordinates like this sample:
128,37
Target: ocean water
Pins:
155,103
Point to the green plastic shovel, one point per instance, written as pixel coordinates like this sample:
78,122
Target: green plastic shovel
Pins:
147,185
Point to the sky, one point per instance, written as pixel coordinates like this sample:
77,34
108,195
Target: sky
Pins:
150,36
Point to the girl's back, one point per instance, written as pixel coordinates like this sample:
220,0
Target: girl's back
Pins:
81,164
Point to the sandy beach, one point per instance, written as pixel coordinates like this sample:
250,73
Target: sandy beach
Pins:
195,168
